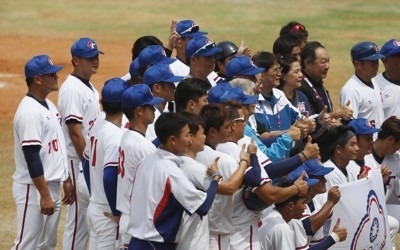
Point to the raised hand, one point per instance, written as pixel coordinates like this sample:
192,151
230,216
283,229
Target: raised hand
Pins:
311,150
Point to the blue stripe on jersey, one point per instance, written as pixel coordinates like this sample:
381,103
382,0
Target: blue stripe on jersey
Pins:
168,215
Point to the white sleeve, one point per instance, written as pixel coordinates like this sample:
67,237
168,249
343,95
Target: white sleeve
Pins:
300,236
29,129
347,94
281,237
197,174
185,192
70,105
111,152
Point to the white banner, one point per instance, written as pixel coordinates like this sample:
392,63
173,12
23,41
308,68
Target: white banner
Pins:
362,210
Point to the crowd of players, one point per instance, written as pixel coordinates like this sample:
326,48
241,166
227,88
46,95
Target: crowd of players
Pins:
216,148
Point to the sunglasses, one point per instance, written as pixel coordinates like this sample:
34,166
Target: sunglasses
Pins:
49,75
297,28
192,29
241,119
205,47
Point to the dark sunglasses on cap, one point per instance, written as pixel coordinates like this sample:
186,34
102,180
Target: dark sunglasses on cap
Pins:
297,28
205,47
49,75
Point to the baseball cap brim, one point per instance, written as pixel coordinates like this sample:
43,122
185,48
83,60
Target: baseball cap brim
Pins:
53,69
155,101
91,54
167,60
173,79
369,131
321,172
211,52
251,99
373,57
191,35
253,71
311,182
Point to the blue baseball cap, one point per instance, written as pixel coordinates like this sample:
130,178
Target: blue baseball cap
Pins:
160,73
85,47
201,46
242,65
361,126
390,48
295,174
365,51
238,95
40,65
134,67
153,54
315,168
113,89
216,92
188,28
139,95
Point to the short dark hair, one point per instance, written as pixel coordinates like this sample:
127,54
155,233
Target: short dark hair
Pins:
308,52
29,81
264,59
128,112
214,115
290,30
169,124
232,107
189,89
390,127
284,45
111,108
283,183
194,122
143,42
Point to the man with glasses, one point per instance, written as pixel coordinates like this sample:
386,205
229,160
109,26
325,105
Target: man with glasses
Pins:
364,95
40,159
388,81
78,102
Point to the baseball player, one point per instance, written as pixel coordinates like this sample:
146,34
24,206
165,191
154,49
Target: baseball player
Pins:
137,104
364,95
103,152
40,159
78,102
387,81
161,193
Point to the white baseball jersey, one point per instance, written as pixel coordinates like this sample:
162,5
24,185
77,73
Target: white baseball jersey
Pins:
275,233
79,102
35,124
390,96
318,201
178,68
126,77
160,194
150,132
104,140
243,219
262,158
193,233
301,240
134,147
335,177
365,101
353,170
220,214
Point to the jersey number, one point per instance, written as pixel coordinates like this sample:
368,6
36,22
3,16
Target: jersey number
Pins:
53,145
121,162
93,147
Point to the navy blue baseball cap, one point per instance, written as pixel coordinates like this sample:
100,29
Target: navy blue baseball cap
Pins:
242,65
160,73
134,67
216,92
315,168
85,47
201,46
238,95
188,28
40,65
113,89
390,48
295,174
361,126
153,54
139,95
365,51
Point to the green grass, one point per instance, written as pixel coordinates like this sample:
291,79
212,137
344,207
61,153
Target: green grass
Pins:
337,24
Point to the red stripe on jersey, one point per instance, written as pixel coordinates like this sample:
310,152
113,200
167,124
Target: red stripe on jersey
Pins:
265,162
31,141
111,164
302,247
24,217
251,237
164,200
219,242
216,79
75,204
74,117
